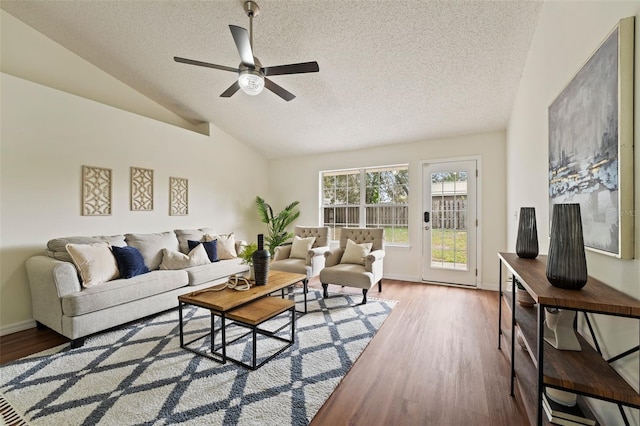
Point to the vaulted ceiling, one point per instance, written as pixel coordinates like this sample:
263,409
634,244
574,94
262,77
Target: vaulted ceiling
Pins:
390,71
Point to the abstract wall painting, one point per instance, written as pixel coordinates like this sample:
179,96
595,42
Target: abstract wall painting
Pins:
591,145
141,189
96,191
178,197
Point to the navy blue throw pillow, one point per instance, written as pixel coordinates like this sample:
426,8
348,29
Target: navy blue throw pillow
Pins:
130,261
211,247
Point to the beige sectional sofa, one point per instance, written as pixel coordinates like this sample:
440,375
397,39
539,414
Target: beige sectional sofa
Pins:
62,302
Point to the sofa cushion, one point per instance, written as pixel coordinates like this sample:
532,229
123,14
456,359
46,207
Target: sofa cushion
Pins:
95,263
121,291
226,245
213,271
175,260
296,266
211,247
355,253
301,246
57,248
130,261
184,235
151,245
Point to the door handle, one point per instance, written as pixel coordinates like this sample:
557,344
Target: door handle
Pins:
426,217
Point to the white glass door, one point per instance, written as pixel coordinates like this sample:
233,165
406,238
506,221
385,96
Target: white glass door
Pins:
449,223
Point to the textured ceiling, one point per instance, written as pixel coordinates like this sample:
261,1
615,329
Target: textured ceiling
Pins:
390,71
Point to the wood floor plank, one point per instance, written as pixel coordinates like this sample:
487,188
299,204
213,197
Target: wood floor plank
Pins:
434,361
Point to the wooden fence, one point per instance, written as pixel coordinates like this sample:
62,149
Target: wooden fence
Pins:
445,214
375,216
449,214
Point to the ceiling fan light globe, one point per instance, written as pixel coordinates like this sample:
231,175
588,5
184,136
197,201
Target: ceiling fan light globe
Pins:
251,83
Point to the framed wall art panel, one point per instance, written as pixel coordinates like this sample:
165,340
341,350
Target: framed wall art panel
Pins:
141,189
591,144
178,196
96,191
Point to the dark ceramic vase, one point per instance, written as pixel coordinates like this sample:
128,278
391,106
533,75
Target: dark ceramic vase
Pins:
566,263
527,242
261,258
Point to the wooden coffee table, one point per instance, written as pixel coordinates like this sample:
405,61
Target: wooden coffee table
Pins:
221,303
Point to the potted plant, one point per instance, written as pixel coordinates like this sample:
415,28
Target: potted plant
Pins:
246,254
277,224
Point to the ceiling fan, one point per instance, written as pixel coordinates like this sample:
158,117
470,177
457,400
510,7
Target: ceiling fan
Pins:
252,76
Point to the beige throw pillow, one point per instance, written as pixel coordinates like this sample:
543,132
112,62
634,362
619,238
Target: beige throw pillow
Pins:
175,260
226,245
355,253
301,246
95,263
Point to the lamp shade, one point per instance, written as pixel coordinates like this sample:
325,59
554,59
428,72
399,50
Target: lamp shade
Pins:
566,262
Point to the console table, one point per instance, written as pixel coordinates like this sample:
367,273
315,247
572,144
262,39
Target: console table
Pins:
584,373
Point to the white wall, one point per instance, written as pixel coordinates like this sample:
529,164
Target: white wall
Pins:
299,179
47,135
30,55
567,34
59,112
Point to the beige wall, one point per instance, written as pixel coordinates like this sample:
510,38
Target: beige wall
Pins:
567,34
58,113
298,179
30,55
47,135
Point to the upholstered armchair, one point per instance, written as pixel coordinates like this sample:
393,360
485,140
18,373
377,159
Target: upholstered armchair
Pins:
305,255
357,262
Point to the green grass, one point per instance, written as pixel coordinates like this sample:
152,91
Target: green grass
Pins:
449,246
396,235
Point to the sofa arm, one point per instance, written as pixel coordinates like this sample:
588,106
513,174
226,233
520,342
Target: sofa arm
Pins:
372,259
332,257
282,252
50,280
315,252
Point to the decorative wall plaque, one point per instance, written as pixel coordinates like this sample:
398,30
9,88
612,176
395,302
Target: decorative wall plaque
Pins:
141,189
96,191
179,196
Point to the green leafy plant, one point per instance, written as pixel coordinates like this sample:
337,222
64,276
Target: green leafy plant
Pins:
247,252
277,233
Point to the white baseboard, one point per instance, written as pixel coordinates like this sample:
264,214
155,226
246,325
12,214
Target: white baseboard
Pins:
401,278
19,326
481,286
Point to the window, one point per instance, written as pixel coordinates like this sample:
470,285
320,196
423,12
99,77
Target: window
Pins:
375,197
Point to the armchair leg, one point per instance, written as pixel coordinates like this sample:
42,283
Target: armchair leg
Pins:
364,296
380,285
77,343
325,288
304,284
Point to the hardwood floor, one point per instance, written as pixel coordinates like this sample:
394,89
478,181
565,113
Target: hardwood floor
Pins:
433,362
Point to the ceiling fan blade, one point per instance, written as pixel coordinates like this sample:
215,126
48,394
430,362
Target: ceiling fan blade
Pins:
284,94
300,68
231,90
204,64
241,37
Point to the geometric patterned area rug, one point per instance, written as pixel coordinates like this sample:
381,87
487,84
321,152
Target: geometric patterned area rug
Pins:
139,375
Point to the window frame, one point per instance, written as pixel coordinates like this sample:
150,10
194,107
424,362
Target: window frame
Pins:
362,205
